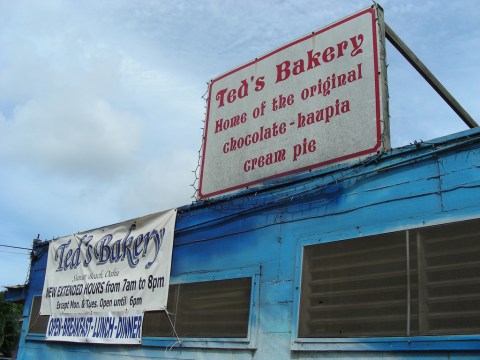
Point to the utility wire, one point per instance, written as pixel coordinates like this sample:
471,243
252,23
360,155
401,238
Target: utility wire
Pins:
15,247
12,252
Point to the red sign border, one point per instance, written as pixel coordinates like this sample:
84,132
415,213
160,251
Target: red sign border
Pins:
317,165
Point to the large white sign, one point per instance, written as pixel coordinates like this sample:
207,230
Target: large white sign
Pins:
313,102
119,268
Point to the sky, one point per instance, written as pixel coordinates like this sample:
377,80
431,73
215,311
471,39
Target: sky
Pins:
101,108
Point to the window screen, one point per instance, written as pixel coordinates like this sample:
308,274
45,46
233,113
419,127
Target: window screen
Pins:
38,323
219,309
212,309
450,279
355,288
420,282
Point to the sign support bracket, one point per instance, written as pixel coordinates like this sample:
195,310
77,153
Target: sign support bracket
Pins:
428,76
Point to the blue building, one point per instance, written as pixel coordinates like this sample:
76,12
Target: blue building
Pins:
378,258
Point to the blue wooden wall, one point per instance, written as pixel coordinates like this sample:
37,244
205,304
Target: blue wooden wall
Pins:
262,231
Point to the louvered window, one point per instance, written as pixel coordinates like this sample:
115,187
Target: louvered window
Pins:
419,282
211,309
449,275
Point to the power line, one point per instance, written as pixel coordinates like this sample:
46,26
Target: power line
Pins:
15,247
12,252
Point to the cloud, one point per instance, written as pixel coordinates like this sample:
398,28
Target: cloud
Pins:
100,101
70,135
61,96
160,184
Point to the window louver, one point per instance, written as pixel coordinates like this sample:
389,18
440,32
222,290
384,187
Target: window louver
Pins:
422,282
212,309
450,275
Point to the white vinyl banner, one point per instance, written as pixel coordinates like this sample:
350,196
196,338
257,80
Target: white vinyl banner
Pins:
118,328
313,102
121,268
